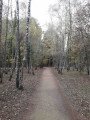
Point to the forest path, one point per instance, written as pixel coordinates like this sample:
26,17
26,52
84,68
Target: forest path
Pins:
48,102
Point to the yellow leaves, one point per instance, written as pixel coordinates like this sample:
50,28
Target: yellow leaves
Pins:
47,44
21,54
35,32
10,60
21,48
45,61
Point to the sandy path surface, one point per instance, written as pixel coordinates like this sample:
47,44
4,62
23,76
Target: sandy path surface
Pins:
48,101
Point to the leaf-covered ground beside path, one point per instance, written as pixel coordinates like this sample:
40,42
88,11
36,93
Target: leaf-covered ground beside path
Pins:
13,102
77,89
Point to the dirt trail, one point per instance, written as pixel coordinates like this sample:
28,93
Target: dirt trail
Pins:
48,102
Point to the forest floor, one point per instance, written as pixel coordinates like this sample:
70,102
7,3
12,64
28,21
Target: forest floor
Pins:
14,102
77,88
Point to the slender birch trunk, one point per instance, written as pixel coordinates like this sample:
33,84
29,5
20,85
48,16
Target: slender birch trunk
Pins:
25,46
13,57
5,54
18,48
0,39
27,30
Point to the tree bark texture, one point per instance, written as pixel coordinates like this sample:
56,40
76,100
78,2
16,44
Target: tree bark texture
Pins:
0,40
18,48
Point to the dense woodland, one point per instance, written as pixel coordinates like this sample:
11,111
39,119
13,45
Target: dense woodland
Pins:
64,45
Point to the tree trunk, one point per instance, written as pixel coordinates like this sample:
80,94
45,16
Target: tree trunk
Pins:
26,46
27,31
5,53
18,48
13,57
0,40
12,67
88,69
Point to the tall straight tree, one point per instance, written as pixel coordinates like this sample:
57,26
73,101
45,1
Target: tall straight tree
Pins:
26,46
18,48
69,35
27,31
7,14
13,56
0,38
